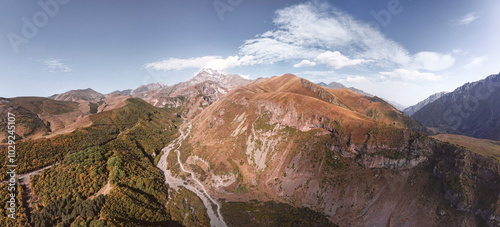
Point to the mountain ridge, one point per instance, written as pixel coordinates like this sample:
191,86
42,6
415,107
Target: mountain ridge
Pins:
413,109
284,137
473,110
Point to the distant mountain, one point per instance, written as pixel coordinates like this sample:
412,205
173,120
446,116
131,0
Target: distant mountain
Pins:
147,87
361,92
472,110
206,87
140,89
79,95
335,85
413,109
229,81
122,92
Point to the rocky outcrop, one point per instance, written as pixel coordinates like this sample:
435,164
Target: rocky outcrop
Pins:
379,161
471,182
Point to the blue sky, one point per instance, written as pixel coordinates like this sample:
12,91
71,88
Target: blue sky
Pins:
400,50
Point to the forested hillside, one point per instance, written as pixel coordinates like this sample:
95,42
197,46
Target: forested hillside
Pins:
118,148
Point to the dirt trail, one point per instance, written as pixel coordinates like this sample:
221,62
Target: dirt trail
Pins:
20,177
195,185
103,191
24,180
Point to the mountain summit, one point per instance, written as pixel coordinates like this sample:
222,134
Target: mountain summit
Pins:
229,81
79,95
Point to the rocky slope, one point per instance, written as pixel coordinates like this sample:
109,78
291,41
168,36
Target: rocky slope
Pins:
413,109
351,157
472,110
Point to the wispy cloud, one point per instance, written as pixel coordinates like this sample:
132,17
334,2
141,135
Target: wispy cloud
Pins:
337,60
408,75
467,19
314,34
180,64
322,35
459,51
306,30
356,79
55,65
333,59
214,62
475,62
433,61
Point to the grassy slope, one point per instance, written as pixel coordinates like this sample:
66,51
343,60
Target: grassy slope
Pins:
489,148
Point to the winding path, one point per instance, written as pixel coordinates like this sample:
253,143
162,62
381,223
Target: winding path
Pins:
197,187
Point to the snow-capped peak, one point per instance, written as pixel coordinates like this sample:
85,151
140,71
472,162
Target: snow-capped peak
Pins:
209,71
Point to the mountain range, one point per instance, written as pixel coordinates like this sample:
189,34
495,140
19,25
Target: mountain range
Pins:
222,150
472,110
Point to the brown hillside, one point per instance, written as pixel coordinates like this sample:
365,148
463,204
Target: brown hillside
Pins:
38,117
351,157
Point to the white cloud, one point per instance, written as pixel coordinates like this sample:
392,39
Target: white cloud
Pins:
356,79
269,51
180,64
408,75
307,30
214,62
315,34
467,19
433,61
333,59
304,63
317,73
475,62
337,60
55,65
